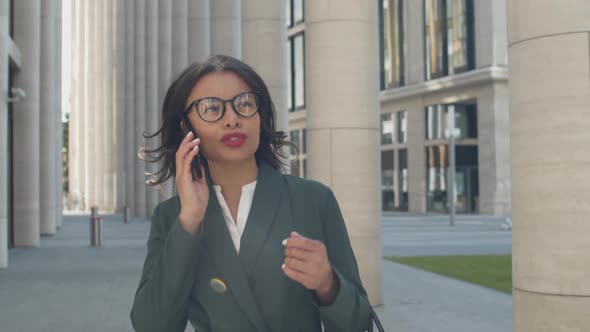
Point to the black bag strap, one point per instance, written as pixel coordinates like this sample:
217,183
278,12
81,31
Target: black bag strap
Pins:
375,320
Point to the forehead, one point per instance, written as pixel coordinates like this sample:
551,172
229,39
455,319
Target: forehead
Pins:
224,85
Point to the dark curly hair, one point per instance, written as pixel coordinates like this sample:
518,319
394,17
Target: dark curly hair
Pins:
272,141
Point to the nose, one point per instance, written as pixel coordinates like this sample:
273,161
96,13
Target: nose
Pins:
231,118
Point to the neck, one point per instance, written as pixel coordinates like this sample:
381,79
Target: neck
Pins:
233,175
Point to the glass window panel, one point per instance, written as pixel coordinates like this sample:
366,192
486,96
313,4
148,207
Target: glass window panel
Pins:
387,200
304,138
297,11
304,168
290,74
289,19
436,121
457,35
402,127
436,169
403,179
386,128
434,38
299,72
393,43
295,140
295,167
387,168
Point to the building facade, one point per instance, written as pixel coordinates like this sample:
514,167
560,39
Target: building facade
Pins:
436,57
30,123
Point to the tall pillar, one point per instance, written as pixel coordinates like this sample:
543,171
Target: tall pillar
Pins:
130,124
58,133
264,47
199,30
139,108
549,91
342,120
165,70
180,39
100,156
27,34
91,109
109,133
4,21
48,92
226,25
152,109
119,96
82,103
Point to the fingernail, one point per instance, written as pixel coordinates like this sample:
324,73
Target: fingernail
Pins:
283,266
284,242
195,147
293,232
190,132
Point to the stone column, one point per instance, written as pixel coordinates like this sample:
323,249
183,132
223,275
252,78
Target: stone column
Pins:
58,178
92,109
264,47
100,130
342,120
152,109
198,30
109,132
48,112
549,91
4,22
226,25
130,124
27,35
139,108
179,36
119,96
82,103
164,70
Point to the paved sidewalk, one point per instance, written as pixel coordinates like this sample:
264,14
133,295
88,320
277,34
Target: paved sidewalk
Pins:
66,285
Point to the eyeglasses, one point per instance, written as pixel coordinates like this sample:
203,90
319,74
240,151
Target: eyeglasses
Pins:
211,109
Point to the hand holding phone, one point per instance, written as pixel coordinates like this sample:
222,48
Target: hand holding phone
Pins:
193,193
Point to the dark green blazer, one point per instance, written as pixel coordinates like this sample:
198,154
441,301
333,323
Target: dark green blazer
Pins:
176,285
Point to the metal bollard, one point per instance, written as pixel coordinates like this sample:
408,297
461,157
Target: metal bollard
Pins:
95,227
126,214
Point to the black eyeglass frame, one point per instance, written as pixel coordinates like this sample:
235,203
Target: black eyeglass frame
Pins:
196,102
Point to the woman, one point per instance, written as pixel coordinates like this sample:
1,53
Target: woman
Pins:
244,247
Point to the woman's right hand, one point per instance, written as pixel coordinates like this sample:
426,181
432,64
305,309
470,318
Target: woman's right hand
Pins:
194,195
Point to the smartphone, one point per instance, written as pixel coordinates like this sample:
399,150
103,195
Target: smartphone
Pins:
196,162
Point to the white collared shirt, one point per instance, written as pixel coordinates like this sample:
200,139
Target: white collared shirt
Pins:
236,229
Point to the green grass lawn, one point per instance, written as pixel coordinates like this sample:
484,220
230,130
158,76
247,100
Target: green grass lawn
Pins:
488,271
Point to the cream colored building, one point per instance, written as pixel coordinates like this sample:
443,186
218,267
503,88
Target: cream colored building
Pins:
30,123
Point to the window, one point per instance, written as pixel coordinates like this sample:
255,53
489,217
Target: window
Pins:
448,26
393,43
297,11
294,12
298,162
402,127
402,180
437,120
294,138
386,128
296,72
388,195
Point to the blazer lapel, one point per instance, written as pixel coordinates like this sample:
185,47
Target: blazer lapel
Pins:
224,256
265,202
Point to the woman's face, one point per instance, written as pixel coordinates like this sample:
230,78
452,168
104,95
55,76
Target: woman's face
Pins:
232,138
